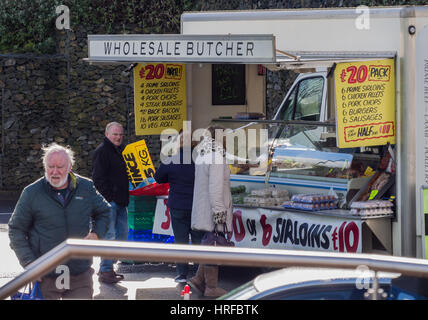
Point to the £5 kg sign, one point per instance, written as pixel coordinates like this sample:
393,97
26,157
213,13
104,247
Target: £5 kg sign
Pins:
139,164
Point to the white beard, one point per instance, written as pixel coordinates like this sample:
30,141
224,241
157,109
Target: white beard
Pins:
59,183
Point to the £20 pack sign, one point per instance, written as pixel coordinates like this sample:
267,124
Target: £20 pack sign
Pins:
365,103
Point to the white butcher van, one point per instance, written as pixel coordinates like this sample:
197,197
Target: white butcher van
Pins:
346,165
313,42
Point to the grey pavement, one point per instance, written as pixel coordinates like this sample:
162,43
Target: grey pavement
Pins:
139,280
142,281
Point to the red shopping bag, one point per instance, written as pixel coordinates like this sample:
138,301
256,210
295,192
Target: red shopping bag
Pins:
154,189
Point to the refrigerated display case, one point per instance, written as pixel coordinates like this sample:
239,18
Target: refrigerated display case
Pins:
301,158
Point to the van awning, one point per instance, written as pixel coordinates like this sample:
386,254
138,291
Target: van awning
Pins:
311,59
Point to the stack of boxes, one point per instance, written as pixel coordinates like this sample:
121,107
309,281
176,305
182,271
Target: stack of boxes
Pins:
141,215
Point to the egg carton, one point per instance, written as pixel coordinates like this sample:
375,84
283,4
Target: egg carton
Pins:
310,206
251,201
372,204
313,198
280,201
372,211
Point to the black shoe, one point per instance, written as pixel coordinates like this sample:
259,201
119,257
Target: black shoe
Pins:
181,278
109,277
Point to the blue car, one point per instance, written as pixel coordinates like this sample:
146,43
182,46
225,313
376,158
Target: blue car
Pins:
330,284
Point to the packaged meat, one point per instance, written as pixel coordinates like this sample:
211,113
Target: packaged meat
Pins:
313,198
280,193
308,206
262,192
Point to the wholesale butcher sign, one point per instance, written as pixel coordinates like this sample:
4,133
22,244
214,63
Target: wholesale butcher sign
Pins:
254,48
365,103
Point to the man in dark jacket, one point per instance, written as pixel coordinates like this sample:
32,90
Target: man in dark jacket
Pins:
111,180
59,206
181,177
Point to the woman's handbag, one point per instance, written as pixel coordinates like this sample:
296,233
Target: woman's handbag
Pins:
34,293
216,238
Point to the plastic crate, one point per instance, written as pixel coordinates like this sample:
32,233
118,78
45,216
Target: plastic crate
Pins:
148,236
141,221
139,204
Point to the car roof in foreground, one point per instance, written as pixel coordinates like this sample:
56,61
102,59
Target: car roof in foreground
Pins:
294,275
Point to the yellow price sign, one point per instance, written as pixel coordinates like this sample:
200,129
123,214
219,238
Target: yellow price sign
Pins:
365,103
139,164
159,97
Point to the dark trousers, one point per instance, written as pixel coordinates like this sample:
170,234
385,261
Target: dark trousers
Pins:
181,227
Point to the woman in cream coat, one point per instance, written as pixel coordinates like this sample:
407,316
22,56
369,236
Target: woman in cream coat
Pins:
211,196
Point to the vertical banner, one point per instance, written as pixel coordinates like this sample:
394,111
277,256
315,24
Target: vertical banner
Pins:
159,97
139,165
365,103
425,213
421,139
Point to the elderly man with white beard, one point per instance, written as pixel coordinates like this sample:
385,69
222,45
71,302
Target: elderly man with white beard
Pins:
56,207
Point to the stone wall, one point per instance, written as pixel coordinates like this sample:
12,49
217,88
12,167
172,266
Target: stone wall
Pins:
277,85
32,100
64,99
60,98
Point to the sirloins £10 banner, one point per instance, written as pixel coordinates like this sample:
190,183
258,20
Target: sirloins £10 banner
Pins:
159,97
365,103
277,229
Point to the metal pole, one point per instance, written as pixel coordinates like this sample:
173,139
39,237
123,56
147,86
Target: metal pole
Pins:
207,254
35,270
375,293
3,139
67,57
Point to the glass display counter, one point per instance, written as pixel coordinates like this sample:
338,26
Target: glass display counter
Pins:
293,170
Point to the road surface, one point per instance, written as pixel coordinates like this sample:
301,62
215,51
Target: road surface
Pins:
142,280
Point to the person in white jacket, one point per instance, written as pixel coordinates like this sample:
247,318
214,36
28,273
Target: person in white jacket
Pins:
211,196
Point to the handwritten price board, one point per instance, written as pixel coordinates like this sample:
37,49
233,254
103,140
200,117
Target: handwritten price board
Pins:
159,97
365,103
228,84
